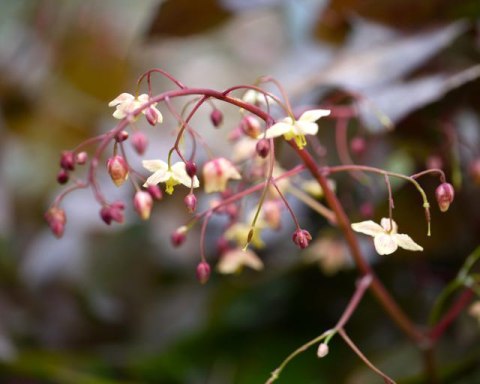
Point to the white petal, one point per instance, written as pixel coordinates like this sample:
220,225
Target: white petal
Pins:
250,259
313,115
385,223
119,113
305,128
158,113
385,244
120,99
155,165
406,242
368,227
277,130
157,177
143,98
180,174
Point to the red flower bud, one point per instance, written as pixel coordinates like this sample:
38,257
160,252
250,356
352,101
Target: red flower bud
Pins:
113,212
118,169
263,148
301,237
190,202
152,116
139,142
216,117
67,160
143,203
179,236
62,176
56,219
81,158
121,136
203,272
155,192
444,194
191,168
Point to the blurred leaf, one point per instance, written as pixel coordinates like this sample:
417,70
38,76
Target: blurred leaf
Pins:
181,18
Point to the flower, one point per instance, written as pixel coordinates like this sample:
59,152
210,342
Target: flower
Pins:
170,175
296,129
235,259
252,96
143,203
241,232
216,173
385,236
117,168
126,103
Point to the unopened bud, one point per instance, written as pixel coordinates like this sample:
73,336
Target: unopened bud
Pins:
113,212
143,203
179,236
250,125
203,272
444,194
81,158
153,115
216,117
190,202
301,237
263,148
67,160
56,219
191,168
62,176
155,192
117,169
322,350
139,142
121,136
358,145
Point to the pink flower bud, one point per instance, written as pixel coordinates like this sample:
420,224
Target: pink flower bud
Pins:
444,194
152,116
62,176
358,145
263,148
190,202
250,125
118,169
139,142
216,117
301,237
81,158
113,212
56,219
179,236
322,350
121,136
143,203
155,192
191,168
203,272
67,160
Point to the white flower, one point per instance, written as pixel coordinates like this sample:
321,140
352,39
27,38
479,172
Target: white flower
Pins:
385,237
127,103
217,172
235,259
254,97
297,129
171,176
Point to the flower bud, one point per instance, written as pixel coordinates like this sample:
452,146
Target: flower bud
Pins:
444,194
121,136
250,125
203,272
358,145
62,176
143,203
118,169
179,236
56,219
113,212
155,192
190,202
191,168
139,142
81,158
263,148
301,237
216,174
216,117
322,350
67,160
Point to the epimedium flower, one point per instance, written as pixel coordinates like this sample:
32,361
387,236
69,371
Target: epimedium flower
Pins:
290,128
385,236
216,174
126,103
170,175
233,260
240,232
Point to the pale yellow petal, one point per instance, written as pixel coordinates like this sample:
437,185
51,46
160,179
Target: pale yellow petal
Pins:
368,227
313,115
120,99
155,165
390,228
406,242
277,130
385,244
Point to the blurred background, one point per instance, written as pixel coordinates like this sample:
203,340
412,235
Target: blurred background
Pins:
118,304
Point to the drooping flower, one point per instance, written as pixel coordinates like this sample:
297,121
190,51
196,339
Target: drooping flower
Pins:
216,174
296,129
240,233
126,103
170,175
385,236
235,259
